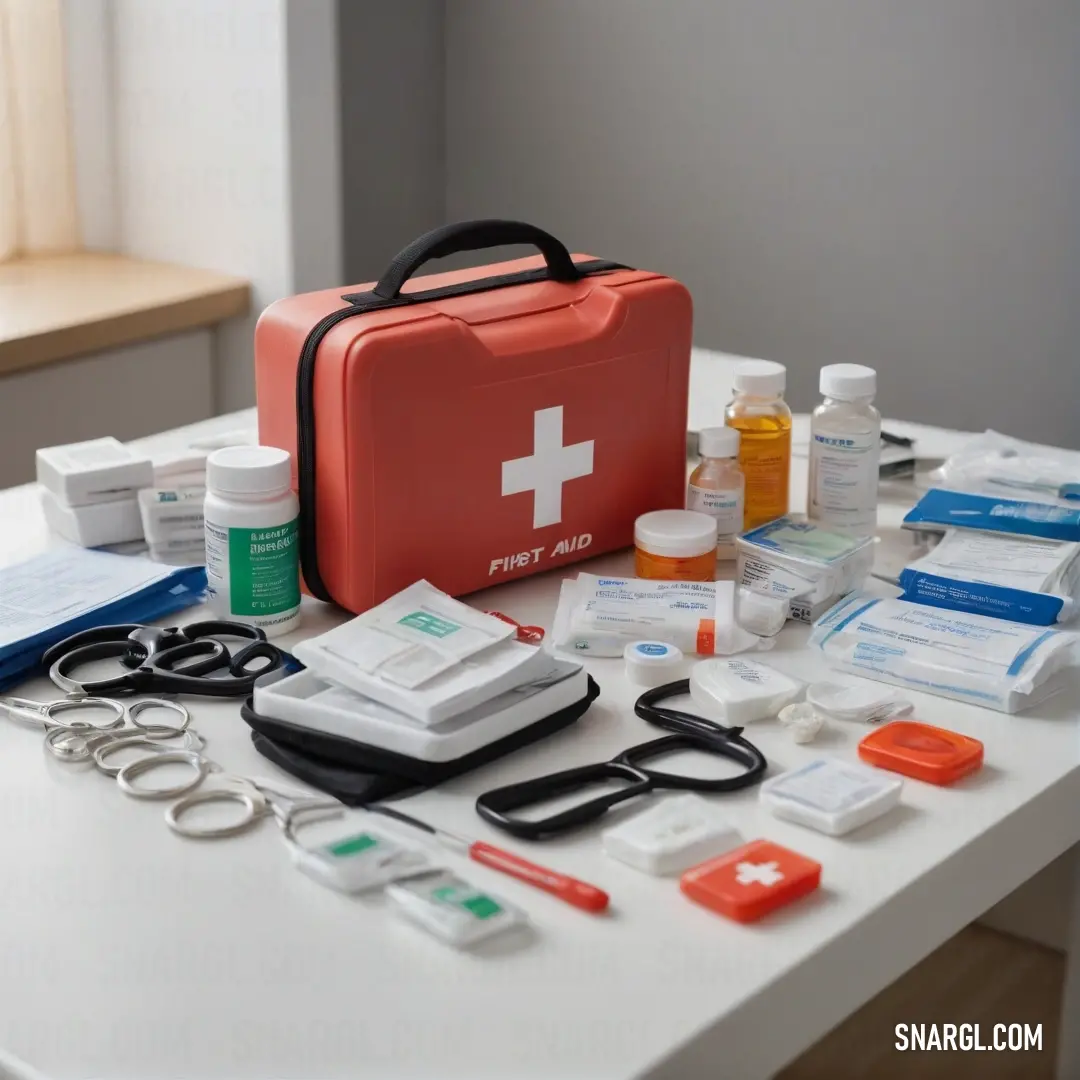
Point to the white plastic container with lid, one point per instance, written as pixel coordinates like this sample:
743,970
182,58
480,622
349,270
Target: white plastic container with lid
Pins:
739,691
831,796
653,663
252,559
676,833
717,486
845,442
675,545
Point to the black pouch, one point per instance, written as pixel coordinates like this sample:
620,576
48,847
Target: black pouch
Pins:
357,772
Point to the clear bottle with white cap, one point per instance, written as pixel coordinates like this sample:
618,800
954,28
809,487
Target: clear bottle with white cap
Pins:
762,418
717,486
252,558
845,442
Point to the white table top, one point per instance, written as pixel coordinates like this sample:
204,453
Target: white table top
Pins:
126,951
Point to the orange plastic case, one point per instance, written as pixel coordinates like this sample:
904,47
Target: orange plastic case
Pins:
749,882
479,425
928,753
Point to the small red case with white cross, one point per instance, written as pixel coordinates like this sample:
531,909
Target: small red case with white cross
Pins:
476,426
749,882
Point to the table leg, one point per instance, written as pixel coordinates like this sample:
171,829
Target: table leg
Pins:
1068,1063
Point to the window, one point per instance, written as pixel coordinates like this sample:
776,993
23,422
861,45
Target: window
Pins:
38,208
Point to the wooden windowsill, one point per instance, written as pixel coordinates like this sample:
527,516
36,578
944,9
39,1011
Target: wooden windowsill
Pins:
61,306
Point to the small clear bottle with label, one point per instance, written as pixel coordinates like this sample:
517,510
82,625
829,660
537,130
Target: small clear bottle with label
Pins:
845,442
717,486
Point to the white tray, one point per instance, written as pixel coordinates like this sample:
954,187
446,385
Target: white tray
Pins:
308,701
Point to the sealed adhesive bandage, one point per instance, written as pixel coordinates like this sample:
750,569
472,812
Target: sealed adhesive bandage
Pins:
831,796
1000,665
1022,578
453,910
359,862
600,616
799,561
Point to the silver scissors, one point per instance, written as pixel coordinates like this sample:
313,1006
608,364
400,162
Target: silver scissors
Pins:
81,739
81,744
258,798
43,714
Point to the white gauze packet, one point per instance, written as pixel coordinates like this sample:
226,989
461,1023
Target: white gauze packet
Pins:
600,616
417,634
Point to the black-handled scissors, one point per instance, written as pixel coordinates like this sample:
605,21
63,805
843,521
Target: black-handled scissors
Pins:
152,655
690,732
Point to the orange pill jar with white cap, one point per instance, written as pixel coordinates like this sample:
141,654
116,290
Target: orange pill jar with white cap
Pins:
675,545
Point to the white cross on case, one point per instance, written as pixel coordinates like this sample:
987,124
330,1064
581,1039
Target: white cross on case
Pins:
550,466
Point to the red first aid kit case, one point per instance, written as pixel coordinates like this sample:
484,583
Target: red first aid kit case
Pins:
475,426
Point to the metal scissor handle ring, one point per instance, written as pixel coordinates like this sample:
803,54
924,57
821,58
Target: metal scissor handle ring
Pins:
69,743
79,741
103,752
68,704
132,769
137,708
81,654
94,636
246,794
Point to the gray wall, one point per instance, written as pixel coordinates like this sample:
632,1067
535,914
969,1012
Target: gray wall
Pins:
892,182
391,58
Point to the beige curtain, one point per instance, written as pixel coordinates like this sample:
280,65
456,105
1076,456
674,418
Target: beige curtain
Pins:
38,210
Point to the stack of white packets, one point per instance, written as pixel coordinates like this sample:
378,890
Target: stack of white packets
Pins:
172,509
90,491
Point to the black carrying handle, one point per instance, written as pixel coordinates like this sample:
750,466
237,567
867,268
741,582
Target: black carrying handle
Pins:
472,236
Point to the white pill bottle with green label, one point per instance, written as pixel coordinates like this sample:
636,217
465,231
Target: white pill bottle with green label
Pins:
252,554
845,442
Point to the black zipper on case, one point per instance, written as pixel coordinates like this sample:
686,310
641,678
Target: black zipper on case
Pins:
361,304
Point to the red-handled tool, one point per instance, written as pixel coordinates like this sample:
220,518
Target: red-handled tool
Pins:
579,893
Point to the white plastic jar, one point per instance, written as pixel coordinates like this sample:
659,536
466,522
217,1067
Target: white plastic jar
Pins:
252,555
845,441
